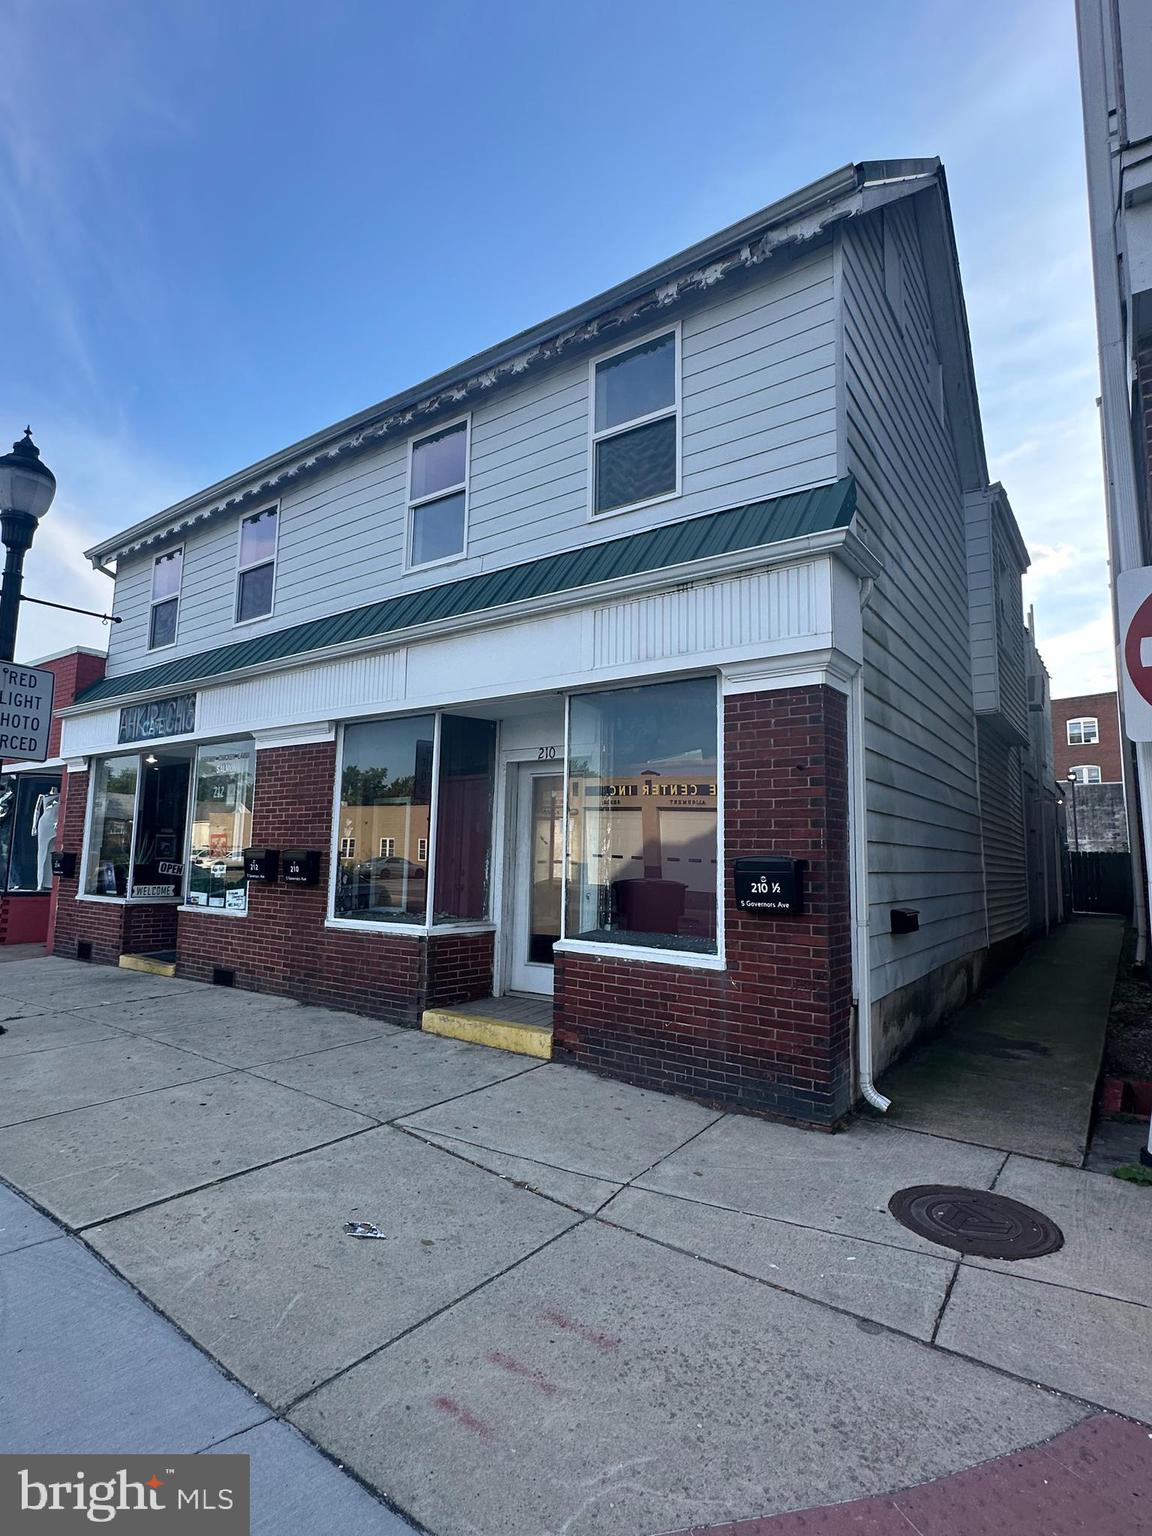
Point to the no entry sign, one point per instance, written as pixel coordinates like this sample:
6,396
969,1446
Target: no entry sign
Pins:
1134,607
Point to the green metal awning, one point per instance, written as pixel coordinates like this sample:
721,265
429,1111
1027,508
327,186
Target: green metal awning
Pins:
698,538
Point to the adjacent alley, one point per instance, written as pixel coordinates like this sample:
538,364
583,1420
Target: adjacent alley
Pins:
593,1309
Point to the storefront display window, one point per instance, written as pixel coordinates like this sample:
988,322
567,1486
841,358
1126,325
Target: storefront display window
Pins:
643,816
221,827
464,818
29,817
161,812
385,793
113,812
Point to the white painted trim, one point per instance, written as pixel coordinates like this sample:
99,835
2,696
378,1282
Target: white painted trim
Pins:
295,736
246,517
688,959
155,602
802,669
674,328
213,911
433,821
411,504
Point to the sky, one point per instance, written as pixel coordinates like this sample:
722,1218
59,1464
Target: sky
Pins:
226,225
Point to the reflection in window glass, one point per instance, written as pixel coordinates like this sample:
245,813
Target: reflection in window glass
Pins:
464,818
439,462
110,842
636,465
161,814
642,806
254,598
258,537
437,529
221,826
385,792
635,383
29,821
635,426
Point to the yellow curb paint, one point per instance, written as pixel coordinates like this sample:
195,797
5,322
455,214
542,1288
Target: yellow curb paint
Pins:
480,1029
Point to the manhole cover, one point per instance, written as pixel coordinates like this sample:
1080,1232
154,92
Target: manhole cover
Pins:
974,1221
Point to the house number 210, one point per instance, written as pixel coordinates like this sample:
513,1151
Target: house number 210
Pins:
545,754
764,887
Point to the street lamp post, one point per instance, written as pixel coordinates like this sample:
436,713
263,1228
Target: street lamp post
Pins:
26,490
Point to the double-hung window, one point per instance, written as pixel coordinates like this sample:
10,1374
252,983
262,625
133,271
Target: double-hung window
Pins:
438,495
1087,773
167,571
256,573
636,425
1084,732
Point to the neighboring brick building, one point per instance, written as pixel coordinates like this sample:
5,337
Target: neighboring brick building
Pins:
32,811
1086,734
663,667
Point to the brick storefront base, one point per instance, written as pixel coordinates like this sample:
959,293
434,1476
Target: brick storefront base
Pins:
284,946
772,1031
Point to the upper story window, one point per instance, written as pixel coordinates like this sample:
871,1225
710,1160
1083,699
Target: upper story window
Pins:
167,571
256,574
1087,773
636,425
438,495
1084,732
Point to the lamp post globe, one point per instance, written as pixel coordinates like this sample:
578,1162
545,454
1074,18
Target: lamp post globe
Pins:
27,487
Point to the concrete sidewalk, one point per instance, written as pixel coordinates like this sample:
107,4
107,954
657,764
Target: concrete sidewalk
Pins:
1017,1068
596,1310
89,1366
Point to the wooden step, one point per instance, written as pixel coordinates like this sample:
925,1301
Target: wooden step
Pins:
154,965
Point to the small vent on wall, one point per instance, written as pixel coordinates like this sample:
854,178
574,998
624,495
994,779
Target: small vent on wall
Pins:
83,949
222,977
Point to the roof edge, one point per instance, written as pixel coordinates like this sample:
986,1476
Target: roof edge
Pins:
818,195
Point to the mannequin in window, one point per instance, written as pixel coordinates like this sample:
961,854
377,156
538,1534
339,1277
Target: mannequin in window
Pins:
45,816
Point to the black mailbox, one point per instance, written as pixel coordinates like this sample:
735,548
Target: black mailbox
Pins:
769,886
261,864
64,865
301,866
905,920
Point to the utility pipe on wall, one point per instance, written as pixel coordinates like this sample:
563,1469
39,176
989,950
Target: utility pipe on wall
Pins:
862,950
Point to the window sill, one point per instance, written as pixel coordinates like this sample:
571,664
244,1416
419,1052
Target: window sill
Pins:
689,959
133,901
632,506
411,930
212,911
350,925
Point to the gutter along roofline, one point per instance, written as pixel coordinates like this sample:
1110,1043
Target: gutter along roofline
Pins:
801,216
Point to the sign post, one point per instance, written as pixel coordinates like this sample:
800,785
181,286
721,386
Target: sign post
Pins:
25,711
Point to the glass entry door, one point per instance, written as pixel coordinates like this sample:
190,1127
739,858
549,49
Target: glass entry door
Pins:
538,871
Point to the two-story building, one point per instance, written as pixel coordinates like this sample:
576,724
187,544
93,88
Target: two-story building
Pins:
507,687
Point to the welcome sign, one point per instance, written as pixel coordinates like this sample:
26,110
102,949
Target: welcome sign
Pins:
158,717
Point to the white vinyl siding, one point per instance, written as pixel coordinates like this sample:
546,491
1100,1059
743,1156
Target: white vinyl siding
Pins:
758,418
923,807
1005,848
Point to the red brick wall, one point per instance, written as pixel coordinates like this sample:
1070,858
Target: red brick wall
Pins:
113,928
74,672
1106,753
283,946
772,1031
459,968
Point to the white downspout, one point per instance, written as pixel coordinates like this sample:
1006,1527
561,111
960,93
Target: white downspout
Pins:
862,950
